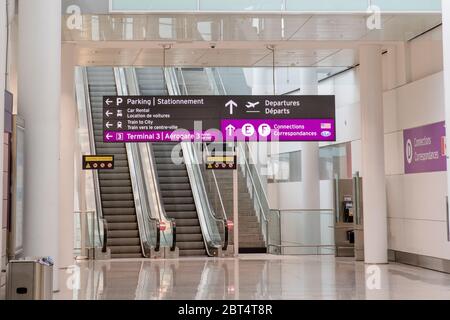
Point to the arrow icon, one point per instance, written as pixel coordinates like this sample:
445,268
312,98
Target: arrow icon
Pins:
108,125
108,102
231,104
108,113
108,136
230,129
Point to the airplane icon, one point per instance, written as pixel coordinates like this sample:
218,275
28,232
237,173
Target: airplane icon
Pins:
250,105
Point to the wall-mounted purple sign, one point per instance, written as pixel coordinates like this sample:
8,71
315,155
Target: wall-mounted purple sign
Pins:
425,148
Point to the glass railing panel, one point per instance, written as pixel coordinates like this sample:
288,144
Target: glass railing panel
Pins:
306,232
207,217
88,185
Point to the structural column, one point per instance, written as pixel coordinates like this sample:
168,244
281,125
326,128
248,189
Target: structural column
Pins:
39,77
446,45
67,151
310,150
373,167
3,36
310,178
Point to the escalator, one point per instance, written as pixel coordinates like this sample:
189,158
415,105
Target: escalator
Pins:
178,200
173,178
116,191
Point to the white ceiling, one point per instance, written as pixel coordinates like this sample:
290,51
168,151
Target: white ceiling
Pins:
240,40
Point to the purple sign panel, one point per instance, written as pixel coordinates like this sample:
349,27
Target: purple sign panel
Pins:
218,118
279,130
425,148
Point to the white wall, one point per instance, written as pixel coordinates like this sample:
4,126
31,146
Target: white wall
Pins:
3,36
416,202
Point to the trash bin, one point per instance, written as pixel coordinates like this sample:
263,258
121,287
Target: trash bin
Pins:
30,279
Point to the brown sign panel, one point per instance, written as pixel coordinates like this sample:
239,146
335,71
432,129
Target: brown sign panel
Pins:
96,162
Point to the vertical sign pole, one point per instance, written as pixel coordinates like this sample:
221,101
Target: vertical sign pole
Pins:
235,207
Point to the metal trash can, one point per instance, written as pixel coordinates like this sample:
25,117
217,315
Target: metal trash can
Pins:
30,279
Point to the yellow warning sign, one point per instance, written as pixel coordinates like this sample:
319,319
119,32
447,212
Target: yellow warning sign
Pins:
98,162
99,158
221,162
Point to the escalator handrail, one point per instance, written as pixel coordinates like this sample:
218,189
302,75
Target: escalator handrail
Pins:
224,213
199,193
92,149
135,166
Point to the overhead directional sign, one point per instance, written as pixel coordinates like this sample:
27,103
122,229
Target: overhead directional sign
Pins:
98,162
218,118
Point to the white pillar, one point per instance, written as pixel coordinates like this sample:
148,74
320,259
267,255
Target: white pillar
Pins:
373,167
39,104
446,44
67,151
3,35
310,150
310,184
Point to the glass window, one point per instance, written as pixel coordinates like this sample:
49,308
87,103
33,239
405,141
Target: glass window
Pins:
241,5
285,167
409,5
155,5
335,160
327,5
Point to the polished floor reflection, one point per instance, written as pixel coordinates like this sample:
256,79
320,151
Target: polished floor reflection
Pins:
250,277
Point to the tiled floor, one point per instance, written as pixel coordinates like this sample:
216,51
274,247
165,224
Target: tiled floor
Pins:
250,277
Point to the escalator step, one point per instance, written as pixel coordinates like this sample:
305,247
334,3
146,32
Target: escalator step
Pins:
188,245
163,180
123,234
187,223
114,176
173,173
164,146
176,187
182,214
119,211
178,201
125,249
164,160
117,197
176,193
115,183
118,204
116,190
123,242
114,226
170,166
189,237
188,230
112,218
179,207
